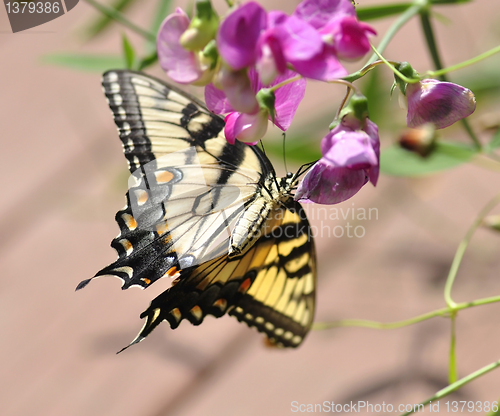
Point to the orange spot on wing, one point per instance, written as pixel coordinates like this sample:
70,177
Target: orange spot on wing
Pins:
171,272
130,221
127,245
142,197
146,280
162,229
176,313
221,303
245,285
164,176
196,312
270,343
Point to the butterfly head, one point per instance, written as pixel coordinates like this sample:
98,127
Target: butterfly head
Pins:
291,180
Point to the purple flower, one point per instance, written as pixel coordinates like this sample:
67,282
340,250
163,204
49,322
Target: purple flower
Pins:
286,39
437,102
237,90
180,64
239,33
319,12
303,47
247,128
287,99
351,154
311,40
348,36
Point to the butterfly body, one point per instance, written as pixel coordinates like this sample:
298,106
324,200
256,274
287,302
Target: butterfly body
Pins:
211,216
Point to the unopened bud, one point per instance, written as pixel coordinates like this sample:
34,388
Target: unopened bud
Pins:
202,28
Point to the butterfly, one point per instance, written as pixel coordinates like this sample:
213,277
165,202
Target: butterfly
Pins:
211,217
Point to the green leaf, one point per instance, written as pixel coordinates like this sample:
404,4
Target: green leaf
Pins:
385,10
121,18
400,162
377,12
148,61
162,10
88,63
494,142
104,21
128,52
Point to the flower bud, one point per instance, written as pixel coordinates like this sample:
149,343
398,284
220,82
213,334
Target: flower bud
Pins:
354,113
492,222
247,128
266,99
202,28
407,70
437,102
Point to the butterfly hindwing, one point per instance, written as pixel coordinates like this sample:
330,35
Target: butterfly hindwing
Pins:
271,287
210,215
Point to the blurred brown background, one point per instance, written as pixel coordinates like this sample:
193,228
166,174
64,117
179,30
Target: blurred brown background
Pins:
64,178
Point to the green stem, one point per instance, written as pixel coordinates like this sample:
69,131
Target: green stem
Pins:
472,135
286,81
431,40
397,25
464,64
120,18
461,250
455,386
399,324
452,371
393,69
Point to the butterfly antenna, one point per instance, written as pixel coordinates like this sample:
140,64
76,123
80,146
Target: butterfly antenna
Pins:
274,176
303,169
284,152
262,147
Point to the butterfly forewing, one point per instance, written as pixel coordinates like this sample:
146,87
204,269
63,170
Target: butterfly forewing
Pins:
188,193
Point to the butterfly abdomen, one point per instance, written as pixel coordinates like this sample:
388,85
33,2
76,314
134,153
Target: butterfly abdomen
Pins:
257,220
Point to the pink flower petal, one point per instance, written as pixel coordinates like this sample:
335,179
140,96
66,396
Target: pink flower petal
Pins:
238,35
319,12
350,158
216,100
238,89
179,64
247,128
288,98
327,184
437,102
323,67
350,37
299,40
271,61
229,132
353,150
